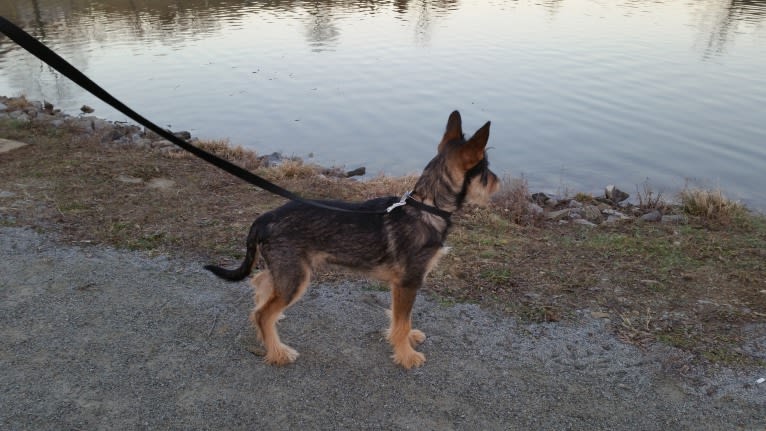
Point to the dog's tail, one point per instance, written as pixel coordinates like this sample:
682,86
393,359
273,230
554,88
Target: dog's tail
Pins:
247,265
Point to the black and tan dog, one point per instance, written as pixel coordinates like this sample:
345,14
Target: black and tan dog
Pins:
399,246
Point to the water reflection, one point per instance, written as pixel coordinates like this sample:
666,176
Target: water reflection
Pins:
322,32
174,21
728,20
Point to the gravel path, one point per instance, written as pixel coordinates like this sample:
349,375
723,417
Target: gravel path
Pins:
95,338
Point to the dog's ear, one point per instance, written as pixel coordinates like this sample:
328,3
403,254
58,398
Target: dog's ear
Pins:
454,130
472,151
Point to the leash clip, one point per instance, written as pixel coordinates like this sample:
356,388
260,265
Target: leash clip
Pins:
402,202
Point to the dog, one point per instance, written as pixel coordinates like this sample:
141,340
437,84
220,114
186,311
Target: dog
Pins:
399,246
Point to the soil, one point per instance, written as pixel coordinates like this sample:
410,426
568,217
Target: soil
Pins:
98,338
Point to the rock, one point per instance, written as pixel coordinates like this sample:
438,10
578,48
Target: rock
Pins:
128,179
183,135
160,183
535,209
112,135
162,143
86,109
20,116
583,222
653,216
592,213
558,215
356,172
273,159
3,106
142,143
575,204
614,194
674,219
7,145
539,198
613,212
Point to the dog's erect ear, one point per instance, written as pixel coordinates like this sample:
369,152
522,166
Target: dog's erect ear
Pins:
472,151
454,130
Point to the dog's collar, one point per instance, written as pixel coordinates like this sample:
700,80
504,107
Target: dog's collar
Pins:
408,199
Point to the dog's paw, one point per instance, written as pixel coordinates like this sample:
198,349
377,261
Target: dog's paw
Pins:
409,359
416,337
283,355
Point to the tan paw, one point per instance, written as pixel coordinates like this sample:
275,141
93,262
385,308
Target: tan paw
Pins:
409,359
416,337
282,355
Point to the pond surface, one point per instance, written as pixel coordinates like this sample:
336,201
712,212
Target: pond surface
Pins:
581,93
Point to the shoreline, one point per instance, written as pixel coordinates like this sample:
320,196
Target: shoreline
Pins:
586,209
653,270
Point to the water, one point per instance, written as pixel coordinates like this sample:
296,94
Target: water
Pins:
581,93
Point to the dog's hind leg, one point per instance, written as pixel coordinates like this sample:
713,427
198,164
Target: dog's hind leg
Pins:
401,335
272,296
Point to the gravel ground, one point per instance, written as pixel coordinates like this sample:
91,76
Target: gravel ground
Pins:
96,338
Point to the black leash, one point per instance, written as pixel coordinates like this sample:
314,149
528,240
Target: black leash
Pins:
39,50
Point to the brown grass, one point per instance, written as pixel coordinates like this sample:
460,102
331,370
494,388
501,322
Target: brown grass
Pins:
220,147
648,199
712,207
513,200
689,286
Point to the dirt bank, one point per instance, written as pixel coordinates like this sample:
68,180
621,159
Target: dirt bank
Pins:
96,338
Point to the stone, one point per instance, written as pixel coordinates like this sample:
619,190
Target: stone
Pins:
183,135
592,213
273,159
7,145
129,179
614,194
535,209
583,222
540,198
20,116
653,216
161,144
356,172
160,183
558,215
674,219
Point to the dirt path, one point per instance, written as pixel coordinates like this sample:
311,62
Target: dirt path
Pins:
94,338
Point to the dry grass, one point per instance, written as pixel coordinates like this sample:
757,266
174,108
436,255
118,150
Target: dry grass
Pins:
513,200
17,103
690,286
712,207
220,147
648,199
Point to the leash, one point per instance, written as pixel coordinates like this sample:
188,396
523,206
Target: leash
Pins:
39,50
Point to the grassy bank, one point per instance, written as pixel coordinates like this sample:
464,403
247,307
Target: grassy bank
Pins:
696,284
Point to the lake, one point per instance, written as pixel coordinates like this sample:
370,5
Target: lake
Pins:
581,93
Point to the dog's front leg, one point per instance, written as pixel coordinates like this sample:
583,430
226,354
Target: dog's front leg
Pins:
400,334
